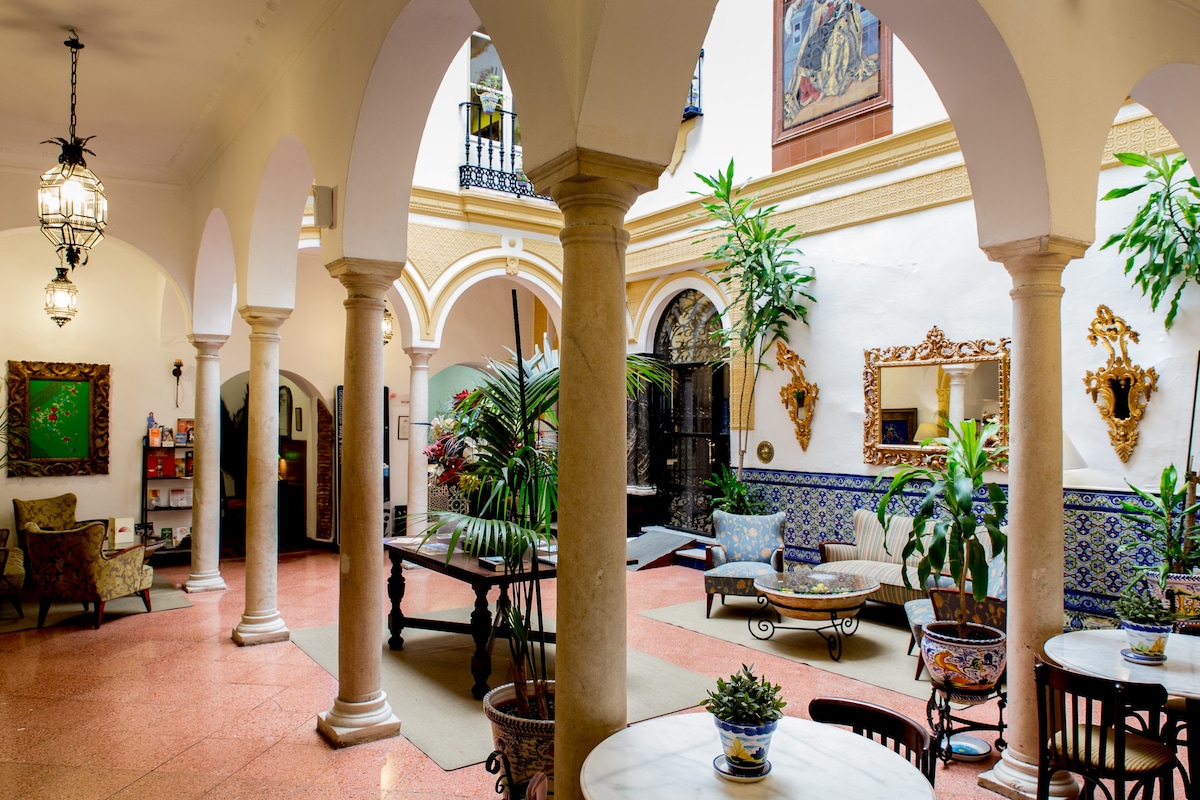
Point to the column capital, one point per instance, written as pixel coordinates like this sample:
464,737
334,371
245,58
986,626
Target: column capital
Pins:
365,276
576,168
264,319
420,355
207,344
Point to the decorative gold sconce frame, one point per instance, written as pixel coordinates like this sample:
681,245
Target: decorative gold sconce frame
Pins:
1121,390
799,396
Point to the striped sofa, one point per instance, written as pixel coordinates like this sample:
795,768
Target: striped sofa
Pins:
871,556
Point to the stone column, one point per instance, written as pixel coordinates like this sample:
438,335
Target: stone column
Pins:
1035,508
206,468
957,373
261,622
418,437
361,712
593,191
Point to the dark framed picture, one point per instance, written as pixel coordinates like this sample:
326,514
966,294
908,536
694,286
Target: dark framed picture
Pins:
285,412
401,427
57,418
833,61
897,425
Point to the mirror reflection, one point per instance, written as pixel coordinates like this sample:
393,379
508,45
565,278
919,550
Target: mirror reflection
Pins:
911,390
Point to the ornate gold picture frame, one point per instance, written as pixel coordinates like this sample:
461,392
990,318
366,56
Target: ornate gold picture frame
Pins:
57,418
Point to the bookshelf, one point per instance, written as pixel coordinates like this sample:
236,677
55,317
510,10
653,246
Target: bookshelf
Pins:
167,492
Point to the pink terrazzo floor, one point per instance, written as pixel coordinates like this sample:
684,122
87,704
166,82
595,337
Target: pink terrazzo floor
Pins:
166,705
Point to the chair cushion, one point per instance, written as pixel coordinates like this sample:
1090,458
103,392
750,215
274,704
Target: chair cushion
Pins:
14,570
1141,754
749,537
918,612
736,578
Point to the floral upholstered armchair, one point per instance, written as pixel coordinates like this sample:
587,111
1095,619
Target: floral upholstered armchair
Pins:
71,565
12,569
748,547
50,513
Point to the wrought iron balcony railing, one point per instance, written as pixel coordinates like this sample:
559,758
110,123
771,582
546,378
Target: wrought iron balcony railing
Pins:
493,153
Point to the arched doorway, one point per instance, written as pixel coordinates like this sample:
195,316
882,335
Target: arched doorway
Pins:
690,429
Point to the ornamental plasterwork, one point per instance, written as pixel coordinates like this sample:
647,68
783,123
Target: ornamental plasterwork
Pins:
1120,389
1138,135
432,249
799,395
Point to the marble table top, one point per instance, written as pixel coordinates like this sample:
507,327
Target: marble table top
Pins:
673,757
1099,653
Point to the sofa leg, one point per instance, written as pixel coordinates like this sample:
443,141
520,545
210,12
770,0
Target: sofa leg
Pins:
145,593
43,608
99,613
16,601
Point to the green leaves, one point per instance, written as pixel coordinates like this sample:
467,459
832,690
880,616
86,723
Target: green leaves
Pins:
1138,603
745,699
1161,240
1164,522
733,495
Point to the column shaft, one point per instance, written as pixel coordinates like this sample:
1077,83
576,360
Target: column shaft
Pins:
418,436
361,712
261,622
1035,510
206,470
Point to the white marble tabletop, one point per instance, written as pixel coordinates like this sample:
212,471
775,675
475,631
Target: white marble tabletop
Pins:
1099,653
673,757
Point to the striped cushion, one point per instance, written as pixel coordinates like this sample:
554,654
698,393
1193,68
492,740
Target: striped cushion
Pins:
891,584
840,552
868,535
1141,754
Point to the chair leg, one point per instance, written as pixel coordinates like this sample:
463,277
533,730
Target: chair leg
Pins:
920,667
912,642
16,601
146,598
43,608
708,607
99,613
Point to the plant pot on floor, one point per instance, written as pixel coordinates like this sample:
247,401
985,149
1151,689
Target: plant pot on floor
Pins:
971,664
527,744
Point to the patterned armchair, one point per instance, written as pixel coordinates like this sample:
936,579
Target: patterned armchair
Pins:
71,565
51,514
748,547
12,569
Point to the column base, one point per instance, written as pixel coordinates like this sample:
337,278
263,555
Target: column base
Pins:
261,630
204,582
348,724
1017,779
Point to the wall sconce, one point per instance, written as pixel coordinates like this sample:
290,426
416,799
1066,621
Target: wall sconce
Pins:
178,373
72,208
799,396
389,324
62,298
1120,389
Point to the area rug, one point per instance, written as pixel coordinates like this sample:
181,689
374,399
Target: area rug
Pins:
875,654
164,596
428,685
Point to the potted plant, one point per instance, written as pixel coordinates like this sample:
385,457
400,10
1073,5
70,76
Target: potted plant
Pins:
734,496
747,710
756,264
1146,620
491,88
947,539
1170,533
512,482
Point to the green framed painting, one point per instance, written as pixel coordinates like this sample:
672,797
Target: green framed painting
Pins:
57,418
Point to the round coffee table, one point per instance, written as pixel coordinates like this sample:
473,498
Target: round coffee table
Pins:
815,596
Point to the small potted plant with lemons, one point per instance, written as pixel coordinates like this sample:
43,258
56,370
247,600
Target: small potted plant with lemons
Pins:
1147,622
747,709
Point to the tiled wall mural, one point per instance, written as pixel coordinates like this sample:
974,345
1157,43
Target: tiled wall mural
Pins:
820,507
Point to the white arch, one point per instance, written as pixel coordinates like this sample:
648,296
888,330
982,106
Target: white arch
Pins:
661,296
278,212
215,288
1169,92
452,279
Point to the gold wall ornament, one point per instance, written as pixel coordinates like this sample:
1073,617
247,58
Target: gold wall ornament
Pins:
765,452
799,396
1121,390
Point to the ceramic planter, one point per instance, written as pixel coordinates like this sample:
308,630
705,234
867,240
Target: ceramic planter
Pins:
528,744
1147,640
1186,590
971,664
745,746
490,102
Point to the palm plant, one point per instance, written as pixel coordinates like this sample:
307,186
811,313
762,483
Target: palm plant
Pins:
511,416
757,265
1169,528
953,545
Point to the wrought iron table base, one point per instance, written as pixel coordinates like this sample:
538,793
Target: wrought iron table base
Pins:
762,627
943,724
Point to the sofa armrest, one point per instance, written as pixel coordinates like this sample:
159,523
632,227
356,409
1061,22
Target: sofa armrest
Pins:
714,556
838,551
6,538
777,559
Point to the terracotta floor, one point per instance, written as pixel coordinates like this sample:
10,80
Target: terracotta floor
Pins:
165,705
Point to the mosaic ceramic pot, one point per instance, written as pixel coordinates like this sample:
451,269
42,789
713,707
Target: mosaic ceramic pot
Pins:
1185,589
745,746
973,664
528,744
1147,639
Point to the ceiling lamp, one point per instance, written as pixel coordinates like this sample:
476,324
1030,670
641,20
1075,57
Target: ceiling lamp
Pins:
61,298
71,203
389,324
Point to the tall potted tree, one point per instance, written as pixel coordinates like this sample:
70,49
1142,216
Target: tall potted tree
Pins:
512,483
958,654
1170,533
756,264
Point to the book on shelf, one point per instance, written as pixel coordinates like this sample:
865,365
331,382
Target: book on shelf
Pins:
181,463
168,437
166,534
154,498
185,431
179,498
154,437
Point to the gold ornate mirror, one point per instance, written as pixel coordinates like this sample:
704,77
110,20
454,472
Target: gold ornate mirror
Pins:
909,389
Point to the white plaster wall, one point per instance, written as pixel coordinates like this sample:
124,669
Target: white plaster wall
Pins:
441,150
915,102
120,323
886,283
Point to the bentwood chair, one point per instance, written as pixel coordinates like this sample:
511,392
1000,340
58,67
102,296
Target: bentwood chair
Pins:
890,728
71,565
1076,733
